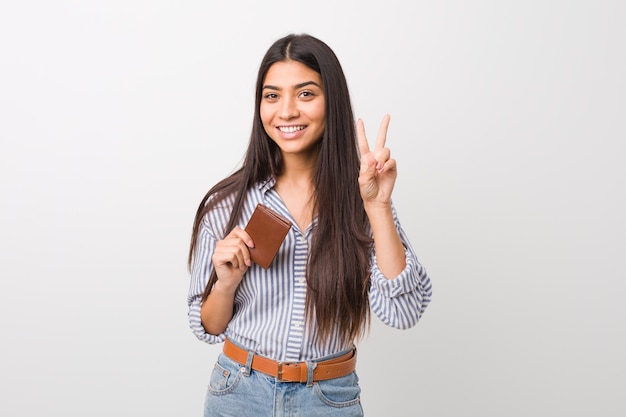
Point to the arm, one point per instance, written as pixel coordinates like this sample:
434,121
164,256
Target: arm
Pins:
390,258
400,288
377,177
201,269
399,302
208,320
231,260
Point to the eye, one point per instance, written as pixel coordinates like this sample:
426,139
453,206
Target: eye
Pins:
307,94
270,96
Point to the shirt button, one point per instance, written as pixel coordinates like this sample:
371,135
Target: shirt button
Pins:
301,280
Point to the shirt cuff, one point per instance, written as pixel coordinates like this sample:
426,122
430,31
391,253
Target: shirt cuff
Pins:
404,283
195,323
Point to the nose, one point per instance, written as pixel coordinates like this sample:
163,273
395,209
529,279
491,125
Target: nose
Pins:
289,108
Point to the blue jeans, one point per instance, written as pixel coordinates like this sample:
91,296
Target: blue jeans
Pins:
237,391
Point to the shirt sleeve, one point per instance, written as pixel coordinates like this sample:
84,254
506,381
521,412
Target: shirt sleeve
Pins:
401,301
201,269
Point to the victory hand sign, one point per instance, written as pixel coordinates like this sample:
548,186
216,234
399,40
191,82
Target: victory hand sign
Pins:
378,171
376,180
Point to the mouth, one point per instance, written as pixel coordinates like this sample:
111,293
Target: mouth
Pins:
291,129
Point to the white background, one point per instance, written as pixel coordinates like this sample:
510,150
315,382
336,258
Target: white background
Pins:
508,124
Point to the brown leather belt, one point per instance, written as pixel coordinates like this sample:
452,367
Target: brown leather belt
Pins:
294,371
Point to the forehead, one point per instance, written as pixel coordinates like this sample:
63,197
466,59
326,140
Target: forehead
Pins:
290,73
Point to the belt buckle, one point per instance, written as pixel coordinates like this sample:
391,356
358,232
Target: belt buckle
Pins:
279,376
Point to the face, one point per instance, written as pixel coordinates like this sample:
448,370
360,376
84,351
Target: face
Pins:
292,108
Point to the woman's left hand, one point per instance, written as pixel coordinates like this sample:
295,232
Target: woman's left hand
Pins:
378,171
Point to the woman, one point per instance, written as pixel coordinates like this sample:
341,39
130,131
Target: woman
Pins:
289,330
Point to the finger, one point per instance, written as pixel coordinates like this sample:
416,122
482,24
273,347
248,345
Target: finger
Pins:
234,249
367,162
368,168
224,258
243,254
364,148
239,233
242,241
235,253
382,132
382,156
226,251
390,166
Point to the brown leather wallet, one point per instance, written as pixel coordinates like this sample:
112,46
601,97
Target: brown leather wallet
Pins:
268,230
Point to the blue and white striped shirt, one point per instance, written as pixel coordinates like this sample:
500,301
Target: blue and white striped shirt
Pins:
269,304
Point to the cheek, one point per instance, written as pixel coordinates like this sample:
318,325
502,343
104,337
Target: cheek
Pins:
319,112
265,117
267,126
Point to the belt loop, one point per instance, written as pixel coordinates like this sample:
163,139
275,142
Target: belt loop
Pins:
310,369
248,368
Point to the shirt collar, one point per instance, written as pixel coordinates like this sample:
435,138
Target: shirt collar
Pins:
266,185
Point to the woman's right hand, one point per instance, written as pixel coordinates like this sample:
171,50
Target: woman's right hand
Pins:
231,258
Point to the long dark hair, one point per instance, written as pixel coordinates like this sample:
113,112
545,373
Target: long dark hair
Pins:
338,267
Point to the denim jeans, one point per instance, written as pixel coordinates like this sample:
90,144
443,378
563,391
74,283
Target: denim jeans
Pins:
237,391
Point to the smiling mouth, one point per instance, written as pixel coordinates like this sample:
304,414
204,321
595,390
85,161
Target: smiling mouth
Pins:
290,129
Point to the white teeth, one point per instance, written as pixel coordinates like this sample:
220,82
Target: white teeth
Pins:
290,129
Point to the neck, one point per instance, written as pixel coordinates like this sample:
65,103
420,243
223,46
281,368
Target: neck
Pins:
298,170
300,182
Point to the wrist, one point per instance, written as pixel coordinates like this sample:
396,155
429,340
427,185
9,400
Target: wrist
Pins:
224,289
377,207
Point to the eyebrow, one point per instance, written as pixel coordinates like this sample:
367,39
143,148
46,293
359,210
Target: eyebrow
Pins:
304,84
